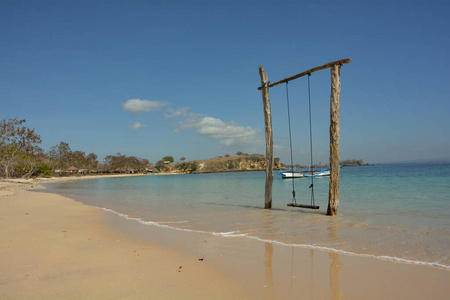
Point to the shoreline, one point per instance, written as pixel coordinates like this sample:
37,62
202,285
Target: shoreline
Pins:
303,246
219,267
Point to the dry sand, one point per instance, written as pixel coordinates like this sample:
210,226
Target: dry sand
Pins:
55,248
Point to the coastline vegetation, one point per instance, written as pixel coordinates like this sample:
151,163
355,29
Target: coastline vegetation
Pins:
21,157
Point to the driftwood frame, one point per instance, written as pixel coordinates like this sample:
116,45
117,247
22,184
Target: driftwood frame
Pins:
335,100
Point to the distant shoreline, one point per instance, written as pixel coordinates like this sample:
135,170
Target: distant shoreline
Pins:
50,179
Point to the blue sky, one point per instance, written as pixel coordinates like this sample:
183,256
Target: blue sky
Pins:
180,78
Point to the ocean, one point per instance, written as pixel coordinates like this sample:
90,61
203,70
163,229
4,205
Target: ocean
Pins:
398,212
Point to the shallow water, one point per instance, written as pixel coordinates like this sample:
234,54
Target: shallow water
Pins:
398,212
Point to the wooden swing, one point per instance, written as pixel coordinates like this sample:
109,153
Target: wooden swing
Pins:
294,200
334,163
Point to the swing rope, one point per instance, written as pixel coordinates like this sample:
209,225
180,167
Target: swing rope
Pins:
290,143
313,203
294,201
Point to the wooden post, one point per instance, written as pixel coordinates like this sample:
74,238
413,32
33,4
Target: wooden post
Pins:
269,137
335,103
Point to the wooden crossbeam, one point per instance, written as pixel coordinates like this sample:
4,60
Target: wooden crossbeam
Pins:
325,66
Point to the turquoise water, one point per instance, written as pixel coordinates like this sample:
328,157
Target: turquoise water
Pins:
397,212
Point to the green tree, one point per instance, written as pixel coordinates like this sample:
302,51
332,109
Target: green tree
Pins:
91,161
43,170
193,167
126,163
60,155
17,144
144,164
114,162
28,164
160,166
183,166
168,158
77,159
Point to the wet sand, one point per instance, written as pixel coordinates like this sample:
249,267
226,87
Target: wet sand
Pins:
55,248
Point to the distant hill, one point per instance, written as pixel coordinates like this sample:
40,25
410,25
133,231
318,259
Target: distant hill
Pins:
353,162
253,162
245,162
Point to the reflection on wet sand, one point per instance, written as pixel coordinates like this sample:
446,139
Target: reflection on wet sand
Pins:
268,257
313,284
335,267
302,271
268,264
335,282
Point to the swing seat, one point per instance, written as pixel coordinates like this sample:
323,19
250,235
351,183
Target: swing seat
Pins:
303,205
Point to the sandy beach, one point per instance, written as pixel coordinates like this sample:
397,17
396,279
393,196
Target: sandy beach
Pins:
56,248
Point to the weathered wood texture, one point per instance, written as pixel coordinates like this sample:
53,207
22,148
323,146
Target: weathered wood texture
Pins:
269,137
325,66
303,206
335,104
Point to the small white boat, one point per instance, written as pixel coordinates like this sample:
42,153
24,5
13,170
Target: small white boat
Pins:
285,174
291,174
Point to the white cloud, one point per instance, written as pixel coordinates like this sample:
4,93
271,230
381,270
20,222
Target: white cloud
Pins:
181,112
137,126
138,105
228,133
